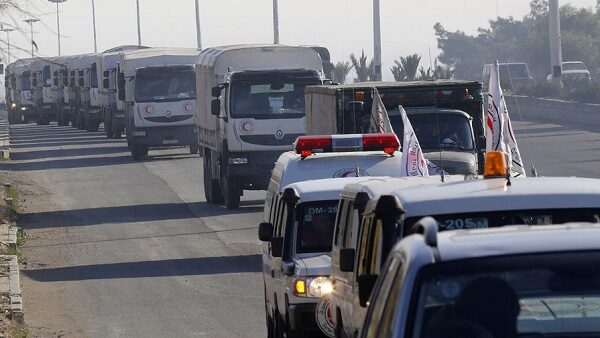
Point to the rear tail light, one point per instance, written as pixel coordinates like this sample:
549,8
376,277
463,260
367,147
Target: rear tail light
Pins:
309,145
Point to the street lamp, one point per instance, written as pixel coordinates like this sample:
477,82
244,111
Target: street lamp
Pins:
198,35
94,22
7,30
137,2
30,22
58,20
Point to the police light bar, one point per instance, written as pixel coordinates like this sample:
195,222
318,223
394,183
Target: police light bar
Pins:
309,145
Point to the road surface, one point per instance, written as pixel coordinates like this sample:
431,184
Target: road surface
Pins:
118,248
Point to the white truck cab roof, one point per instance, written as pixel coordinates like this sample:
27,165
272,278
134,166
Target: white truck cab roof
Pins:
325,189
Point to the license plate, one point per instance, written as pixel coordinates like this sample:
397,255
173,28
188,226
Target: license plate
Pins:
170,142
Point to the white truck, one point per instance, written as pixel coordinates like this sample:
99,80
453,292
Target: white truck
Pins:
59,90
112,111
89,113
41,89
157,87
74,92
250,110
24,110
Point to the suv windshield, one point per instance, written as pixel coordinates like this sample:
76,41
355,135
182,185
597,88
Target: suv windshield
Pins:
275,94
437,131
315,226
573,66
513,70
165,84
541,295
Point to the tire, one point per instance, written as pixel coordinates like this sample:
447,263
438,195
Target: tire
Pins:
278,326
108,131
117,134
91,126
231,192
339,326
270,326
194,149
139,152
25,119
212,193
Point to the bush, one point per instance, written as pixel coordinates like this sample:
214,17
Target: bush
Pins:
588,93
545,89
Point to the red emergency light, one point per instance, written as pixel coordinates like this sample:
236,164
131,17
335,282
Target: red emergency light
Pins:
309,145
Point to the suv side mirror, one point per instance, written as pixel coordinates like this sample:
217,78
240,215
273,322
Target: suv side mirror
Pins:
216,91
347,260
277,246
105,83
215,107
265,232
365,287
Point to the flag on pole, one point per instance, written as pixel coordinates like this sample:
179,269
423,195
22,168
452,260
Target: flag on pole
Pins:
380,115
413,162
499,132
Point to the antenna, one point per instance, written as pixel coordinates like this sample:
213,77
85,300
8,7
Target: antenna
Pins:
357,171
439,136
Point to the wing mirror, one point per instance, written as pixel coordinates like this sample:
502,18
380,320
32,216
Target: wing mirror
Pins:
216,91
365,287
347,260
265,232
106,73
105,83
277,246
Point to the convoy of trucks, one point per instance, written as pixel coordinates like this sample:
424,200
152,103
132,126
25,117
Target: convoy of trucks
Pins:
239,106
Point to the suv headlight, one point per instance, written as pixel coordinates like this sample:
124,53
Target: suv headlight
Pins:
312,286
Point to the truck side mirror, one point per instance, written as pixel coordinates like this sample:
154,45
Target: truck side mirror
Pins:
106,73
277,246
80,82
215,107
65,82
347,260
81,73
365,287
265,232
55,81
216,91
105,83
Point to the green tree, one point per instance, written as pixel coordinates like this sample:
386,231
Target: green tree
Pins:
365,70
406,68
340,71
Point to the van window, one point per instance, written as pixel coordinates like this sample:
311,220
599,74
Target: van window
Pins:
362,247
350,222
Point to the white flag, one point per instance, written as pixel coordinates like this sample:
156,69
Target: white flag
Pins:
499,133
413,161
379,114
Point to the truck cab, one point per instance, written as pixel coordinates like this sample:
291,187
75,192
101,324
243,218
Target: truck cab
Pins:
447,116
250,110
41,84
158,88
58,89
24,95
89,112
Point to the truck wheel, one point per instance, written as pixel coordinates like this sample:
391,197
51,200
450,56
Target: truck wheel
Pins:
139,152
117,134
194,149
108,129
231,193
91,126
211,187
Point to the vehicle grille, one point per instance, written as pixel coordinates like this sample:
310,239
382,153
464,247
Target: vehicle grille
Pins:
270,140
164,119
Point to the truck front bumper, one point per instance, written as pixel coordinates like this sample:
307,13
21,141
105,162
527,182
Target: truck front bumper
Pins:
253,168
175,136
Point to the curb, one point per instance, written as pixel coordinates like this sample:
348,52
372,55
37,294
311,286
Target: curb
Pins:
16,302
4,139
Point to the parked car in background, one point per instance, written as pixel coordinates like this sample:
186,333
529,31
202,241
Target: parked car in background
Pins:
574,73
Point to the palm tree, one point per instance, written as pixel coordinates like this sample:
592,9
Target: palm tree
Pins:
364,71
439,72
406,68
340,71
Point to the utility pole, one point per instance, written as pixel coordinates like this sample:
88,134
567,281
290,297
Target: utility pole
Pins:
555,42
7,30
137,2
58,20
30,22
94,22
276,22
198,35
377,39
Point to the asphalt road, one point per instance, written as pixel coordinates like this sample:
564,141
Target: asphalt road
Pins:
118,248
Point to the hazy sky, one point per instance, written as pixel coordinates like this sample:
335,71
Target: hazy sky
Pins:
344,26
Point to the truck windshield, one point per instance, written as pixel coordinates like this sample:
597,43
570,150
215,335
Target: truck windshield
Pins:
165,85
315,226
437,131
532,295
569,66
270,95
46,77
25,81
